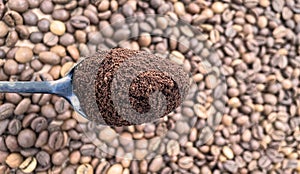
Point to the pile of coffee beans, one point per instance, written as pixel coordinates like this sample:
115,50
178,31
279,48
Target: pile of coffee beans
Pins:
256,49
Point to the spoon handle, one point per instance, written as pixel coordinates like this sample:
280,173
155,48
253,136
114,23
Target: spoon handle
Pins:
27,87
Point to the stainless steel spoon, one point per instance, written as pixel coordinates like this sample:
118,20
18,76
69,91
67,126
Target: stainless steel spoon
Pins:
61,87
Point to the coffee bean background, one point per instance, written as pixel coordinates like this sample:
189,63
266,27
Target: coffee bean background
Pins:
256,45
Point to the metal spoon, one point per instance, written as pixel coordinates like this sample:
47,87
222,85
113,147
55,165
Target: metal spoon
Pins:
61,87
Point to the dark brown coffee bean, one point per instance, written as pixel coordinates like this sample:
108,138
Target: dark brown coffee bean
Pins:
42,139
61,105
95,38
22,31
30,18
12,39
43,25
4,124
2,144
29,152
87,150
36,65
56,140
36,37
44,161
12,143
19,6
60,14
26,138
38,48
11,67
34,3
26,74
50,39
39,124
92,16
2,54
80,22
6,110
127,10
49,58
47,6
67,39
14,126
13,18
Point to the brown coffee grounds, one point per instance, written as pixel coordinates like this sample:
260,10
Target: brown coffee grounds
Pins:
141,88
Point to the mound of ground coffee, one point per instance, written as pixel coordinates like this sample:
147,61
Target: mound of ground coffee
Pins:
139,91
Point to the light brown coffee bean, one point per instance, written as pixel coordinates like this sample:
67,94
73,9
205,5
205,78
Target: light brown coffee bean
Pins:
4,29
22,107
84,169
11,38
24,54
58,28
14,160
28,165
49,58
186,162
58,158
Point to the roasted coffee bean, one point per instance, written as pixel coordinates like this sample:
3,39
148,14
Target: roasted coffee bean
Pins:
61,15
79,22
49,57
19,6
39,124
43,25
43,159
47,6
4,29
4,124
59,158
50,39
11,39
14,126
61,106
36,37
67,39
14,160
42,139
22,106
56,140
30,18
34,3
26,138
6,110
22,31
2,54
264,162
13,18
12,143
28,165
92,16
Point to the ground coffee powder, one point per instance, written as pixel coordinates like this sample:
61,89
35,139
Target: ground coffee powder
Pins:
105,65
